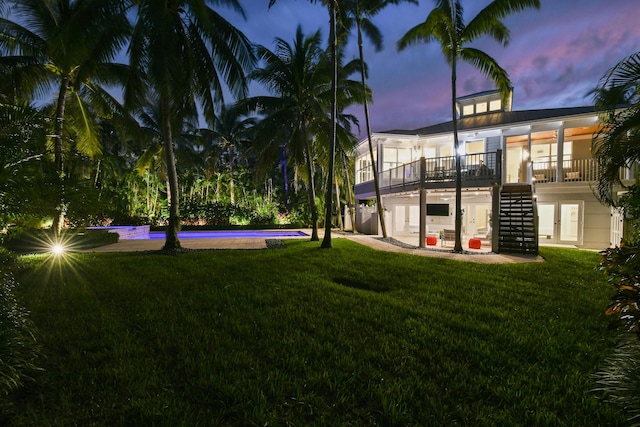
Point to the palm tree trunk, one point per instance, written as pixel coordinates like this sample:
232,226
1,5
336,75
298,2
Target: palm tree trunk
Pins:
326,241
456,143
59,213
340,223
172,242
352,204
312,194
232,196
367,120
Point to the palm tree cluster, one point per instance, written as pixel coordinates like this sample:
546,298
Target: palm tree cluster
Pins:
145,114
162,112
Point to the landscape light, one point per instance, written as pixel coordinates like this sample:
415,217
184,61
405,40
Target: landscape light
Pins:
57,249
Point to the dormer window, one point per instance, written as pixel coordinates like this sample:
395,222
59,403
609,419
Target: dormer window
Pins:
482,103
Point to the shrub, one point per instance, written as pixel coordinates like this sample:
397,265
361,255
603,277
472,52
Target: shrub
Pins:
18,347
622,266
619,380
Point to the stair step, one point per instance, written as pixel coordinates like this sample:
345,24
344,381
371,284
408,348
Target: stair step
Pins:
517,219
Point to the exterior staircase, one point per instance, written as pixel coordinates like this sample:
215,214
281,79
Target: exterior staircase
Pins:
518,217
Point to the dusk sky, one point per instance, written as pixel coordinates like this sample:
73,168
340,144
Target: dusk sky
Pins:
556,56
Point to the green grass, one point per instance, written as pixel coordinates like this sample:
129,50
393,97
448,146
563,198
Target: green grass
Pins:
308,336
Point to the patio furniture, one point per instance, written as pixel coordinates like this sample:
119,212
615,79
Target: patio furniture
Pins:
475,243
448,235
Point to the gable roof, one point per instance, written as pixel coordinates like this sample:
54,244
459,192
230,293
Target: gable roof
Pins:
496,120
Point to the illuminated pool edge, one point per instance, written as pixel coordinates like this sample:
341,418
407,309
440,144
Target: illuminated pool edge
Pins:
143,233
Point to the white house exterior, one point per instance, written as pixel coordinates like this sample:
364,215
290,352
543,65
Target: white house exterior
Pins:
527,179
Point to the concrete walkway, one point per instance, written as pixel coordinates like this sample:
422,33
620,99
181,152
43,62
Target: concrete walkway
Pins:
373,242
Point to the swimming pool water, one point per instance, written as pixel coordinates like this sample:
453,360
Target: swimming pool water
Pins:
227,234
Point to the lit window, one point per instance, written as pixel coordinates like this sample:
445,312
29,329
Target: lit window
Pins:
467,110
481,107
495,105
446,151
475,147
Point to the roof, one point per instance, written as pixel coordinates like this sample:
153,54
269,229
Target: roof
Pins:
497,119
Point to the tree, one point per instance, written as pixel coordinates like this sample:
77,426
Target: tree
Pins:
333,43
298,77
617,143
230,132
445,24
66,46
186,50
296,118
361,12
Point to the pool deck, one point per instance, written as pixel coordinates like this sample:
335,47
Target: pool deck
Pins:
374,242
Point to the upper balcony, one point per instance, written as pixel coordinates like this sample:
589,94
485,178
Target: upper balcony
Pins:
481,170
477,170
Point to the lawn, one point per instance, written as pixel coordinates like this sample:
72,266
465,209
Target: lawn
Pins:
304,336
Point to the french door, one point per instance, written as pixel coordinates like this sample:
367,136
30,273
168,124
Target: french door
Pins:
560,222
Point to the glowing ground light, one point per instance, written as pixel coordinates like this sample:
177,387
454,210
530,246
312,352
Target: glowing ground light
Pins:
57,249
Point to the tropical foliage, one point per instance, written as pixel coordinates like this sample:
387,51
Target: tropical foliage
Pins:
296,119
446,25
360,12
18,347
615,146
66,47
186,51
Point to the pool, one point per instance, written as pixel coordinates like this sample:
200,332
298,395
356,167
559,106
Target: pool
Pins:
142,232
227,234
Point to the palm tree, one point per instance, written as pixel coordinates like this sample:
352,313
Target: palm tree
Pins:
296,117
186,50
333,43
231,131
297,76
361,12
616,144
66,46
445,24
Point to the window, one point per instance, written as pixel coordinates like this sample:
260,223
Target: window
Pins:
467,110
394,157
446,151
365,171
481,107
495,105
475,152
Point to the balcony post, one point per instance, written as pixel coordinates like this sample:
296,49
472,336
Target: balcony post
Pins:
423,203
560,155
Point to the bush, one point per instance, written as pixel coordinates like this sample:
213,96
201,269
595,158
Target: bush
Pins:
622,266
619,381
18,347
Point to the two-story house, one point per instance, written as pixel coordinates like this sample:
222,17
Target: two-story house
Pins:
527,179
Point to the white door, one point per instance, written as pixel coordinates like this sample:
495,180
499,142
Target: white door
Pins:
547,223
476,218
560,222
399,220
406,220
617,222
570,223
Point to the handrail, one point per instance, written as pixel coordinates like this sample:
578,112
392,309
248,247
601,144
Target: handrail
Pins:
474,167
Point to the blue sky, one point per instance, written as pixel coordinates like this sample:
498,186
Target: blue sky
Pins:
556,56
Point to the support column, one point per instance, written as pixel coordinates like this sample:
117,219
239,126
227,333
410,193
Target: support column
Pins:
423,217
560,154
423,203
495,218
